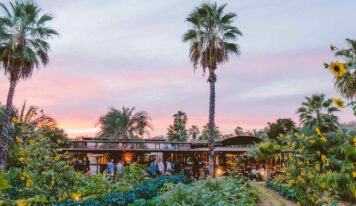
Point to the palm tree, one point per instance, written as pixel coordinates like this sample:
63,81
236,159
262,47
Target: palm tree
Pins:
124,124
205,133
212,38
239,131
194,132
34,116
23,47
317,111
178,131
346,85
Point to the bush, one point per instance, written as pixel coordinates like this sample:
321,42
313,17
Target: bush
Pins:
146,190
222,191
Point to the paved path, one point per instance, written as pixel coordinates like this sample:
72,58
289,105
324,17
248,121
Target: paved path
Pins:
269,197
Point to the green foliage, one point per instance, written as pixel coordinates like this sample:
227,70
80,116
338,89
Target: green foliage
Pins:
282,189
205,133
281,126
4,184
124,124
212,36
177,131
319,167
221,191
20,57
45,170
317,111
194,132
132,175
138,194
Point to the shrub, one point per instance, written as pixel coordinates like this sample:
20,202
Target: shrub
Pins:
146,190
222,191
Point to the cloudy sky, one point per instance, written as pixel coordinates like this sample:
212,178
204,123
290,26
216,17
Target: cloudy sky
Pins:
130,53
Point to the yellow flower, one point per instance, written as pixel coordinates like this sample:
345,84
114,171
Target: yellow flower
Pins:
296,134
338,102
317,167
31,141
75,197
318,153
40,136
21,159
14,119
322,185
338,69
301,180
59,141
312,141
28,183
354,174
18,139
323,158
323,138
25,174
300,162
328,199
57,157
310,174
355,141
22,178
318,132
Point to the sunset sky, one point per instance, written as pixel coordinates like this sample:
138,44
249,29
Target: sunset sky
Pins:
130,53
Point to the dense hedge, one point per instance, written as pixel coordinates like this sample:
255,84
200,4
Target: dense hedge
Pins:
146,190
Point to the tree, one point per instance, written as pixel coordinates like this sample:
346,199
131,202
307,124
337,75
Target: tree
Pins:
124,124
23,47
178,131
261,134
239,131
212,39
194,132
281,126
317,111
34,116
205,133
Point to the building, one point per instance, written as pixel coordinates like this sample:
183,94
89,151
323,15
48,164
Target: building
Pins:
95,153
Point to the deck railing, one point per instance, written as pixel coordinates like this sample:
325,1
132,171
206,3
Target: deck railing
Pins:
120,144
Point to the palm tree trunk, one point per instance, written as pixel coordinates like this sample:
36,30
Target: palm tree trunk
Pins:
5,132
211,144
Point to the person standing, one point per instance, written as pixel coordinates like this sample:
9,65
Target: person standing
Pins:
120,168
160,167
153,167
110,168
169,166
196,168
177,167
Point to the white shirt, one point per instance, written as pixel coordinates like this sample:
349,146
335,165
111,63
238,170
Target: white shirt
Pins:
169,165
161,166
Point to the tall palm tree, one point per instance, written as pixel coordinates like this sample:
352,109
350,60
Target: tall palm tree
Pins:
212,39
317,111
23,47
346,85
124,124
194,132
